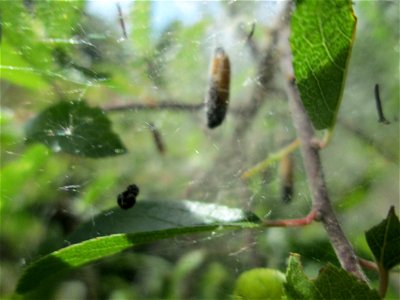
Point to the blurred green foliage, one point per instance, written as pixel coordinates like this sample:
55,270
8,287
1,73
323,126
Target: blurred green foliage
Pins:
44,196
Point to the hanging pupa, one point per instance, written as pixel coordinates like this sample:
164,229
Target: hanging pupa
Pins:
217,98
286,174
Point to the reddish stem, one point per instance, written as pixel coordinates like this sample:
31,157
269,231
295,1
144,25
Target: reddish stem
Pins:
292,222
368,264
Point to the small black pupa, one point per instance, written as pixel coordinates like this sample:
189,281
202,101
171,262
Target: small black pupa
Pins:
217,97
127,199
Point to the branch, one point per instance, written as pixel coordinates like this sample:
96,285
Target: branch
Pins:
263,165
248,36
167,105
312,162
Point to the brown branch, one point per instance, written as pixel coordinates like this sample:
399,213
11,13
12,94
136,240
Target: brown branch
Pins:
166,105
157,137
313,168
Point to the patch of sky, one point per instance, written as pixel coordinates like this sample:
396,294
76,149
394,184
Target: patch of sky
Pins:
163,12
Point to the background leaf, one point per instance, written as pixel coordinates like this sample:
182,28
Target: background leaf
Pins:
149,216
186,264
384,241
148,221
321,42
297,285
59,20
25,60
75,128
331,283
18,70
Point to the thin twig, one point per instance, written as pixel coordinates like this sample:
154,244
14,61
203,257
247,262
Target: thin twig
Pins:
164,105
121,21
263,165
382,118
157,137
254,49
313,168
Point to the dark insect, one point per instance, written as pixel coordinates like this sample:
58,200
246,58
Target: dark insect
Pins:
286,174
217,97
127,199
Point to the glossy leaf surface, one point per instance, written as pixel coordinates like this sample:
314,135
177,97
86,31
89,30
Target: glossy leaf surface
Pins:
321,41
116,230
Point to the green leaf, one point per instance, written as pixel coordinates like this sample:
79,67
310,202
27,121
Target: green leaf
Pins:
322,35
17,173
146,222
24,57
16,69
23,32
75,128
336,283
149,216
332,283
297,285
30,34
384,241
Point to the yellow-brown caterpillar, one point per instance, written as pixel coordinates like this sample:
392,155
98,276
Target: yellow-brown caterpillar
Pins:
286,175
217,98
